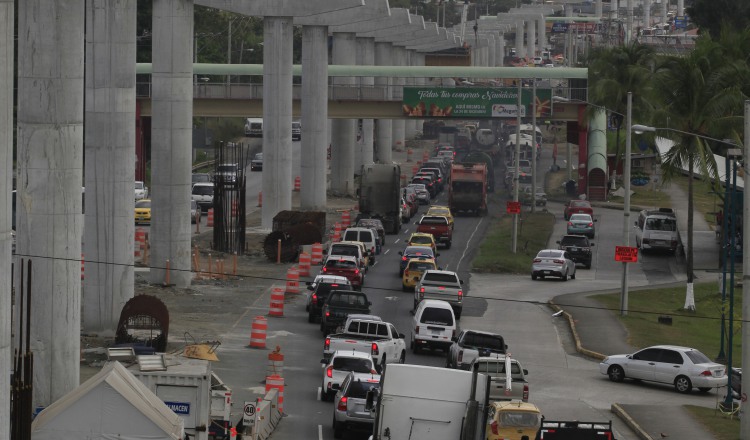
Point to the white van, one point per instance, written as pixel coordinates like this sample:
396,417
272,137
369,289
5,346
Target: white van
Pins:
657,229
433,326
366,236
254,127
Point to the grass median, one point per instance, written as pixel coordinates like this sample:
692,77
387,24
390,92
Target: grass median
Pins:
495,254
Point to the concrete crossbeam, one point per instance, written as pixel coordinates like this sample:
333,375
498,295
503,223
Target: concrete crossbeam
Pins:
407,31
452,41
442,35
399,17
275,8
430,31
372,10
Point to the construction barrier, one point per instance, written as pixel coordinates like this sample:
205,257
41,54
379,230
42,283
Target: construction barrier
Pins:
210,219
408,155
346,219
140,243
234,208
258,332
81,266
305,263
277,302
336,232
317,253
267,416
292,280
403,179
275,363
276,382
297,183
260,198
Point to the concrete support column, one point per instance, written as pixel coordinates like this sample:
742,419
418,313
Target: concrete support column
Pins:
492,51
629,22
598,9
314,109
501,51
7,43
419,61
531,38
646,13
171,131
344,130
410,125
109,136
366,57
541,31
383,127
277,118
399,136
49,217
663,11
520,46
680,8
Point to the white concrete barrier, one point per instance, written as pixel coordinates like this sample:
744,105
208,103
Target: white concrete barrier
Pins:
267,416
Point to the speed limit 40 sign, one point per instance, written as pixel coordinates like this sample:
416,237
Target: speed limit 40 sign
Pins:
248,414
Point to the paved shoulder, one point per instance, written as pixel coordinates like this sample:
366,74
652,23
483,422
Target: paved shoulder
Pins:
665,421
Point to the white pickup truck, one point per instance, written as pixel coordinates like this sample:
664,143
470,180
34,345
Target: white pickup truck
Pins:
378,338
503,387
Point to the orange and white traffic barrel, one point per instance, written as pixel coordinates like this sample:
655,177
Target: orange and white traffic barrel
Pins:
81,266
317,253
276,381
277,302
260,198
210,219
140,242
275,363
297,183
292,280
408,154
336,232
305,263
258,332
346,219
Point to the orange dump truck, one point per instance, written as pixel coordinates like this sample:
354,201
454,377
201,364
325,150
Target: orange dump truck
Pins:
468,189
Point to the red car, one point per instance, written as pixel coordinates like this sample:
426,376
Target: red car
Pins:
578,207
346,267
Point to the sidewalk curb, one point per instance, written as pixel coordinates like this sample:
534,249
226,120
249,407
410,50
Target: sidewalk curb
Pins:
625,417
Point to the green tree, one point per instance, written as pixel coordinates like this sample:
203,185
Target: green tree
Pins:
712,16
615,71
695,102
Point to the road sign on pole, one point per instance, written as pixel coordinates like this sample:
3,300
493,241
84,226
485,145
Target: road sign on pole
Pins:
513,207
626,254
248,414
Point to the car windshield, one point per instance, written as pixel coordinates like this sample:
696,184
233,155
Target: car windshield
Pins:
358,389
574,241
550,254
340,264
579,204
350,251
518,419
481,340
203,190
420,266
324,289
356,365
438,277
433,221
347,299
661,224
259,156
497,366
138,185
422,240
580,218
436,316
697,357
143,204
418,251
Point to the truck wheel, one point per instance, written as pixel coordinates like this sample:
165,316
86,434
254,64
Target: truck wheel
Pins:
402,359
457,313
448,245
338,432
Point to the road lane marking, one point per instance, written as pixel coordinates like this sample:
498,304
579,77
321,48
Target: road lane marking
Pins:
395,241
468,242
320,432
387,250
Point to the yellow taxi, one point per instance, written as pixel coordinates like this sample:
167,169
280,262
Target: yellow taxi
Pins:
422,239
414,270
513,420
442,211
143,211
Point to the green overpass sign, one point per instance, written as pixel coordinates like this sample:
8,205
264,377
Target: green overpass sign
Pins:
474,102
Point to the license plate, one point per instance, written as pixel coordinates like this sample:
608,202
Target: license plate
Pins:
574,249
547,272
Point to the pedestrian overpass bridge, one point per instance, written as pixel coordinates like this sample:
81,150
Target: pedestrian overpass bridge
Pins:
215,95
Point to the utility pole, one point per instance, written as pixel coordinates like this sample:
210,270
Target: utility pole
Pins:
533,145
516,172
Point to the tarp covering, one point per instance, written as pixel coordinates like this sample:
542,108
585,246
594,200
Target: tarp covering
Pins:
111,405
664,145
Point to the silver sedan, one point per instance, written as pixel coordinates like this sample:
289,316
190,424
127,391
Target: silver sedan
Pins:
554,263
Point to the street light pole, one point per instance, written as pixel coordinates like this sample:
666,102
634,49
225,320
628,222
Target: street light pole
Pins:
745,421
533,145
626,206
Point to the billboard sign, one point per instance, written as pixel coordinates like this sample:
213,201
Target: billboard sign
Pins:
474,102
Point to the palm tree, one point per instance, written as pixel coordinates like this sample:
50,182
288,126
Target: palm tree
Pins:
696,102
613,72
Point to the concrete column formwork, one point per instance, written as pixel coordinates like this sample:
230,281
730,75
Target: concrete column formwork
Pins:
383,127
109,136
314,108
366,57
277,118
6,222
399,135
500,55
171,133
50,175
344,52
530,38
520,46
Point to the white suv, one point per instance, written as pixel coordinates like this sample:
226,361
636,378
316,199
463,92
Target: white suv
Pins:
203,194
141,190
339,366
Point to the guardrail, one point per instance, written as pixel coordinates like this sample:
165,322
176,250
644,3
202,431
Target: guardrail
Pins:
267,416
200,165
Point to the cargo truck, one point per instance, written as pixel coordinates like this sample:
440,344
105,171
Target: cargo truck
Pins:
380,195
468,188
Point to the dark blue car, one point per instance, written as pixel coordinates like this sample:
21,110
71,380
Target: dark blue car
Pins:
414,252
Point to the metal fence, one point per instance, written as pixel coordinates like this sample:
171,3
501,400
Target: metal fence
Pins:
229,198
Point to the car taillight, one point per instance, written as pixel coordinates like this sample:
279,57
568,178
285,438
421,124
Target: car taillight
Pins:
403,258
570,223
328,314
706,373
416,330
329,371
525,393
315,297
559,261
325,269
327,344
356,271
460,293
421,290
460,356
590,225
493,426
537,260
374,349
342,404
